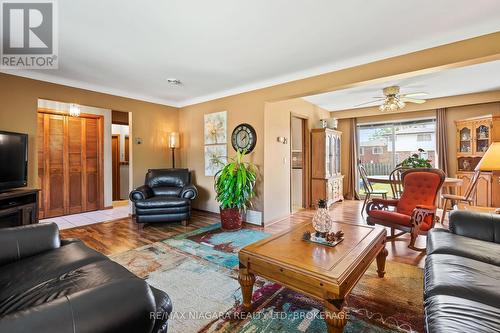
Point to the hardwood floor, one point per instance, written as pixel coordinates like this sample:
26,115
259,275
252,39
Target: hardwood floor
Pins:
122,235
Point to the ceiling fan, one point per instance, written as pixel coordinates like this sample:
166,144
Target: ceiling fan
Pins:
393,100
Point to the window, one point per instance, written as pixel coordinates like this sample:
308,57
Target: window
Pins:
382,146
424,137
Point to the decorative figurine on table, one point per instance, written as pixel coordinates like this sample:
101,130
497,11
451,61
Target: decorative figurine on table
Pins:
322,223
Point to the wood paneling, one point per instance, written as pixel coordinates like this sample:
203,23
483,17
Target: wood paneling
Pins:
71,172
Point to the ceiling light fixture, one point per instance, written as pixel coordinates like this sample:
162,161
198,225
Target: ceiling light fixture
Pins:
174,82
74,110
392,103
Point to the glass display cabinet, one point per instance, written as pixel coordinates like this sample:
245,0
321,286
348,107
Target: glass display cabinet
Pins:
327,180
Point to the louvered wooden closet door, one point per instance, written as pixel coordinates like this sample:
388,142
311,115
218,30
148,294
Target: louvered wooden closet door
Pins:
75,166
91,151
69,164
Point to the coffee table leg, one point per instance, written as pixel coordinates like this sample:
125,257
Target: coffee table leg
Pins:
246,280
335,316
382,255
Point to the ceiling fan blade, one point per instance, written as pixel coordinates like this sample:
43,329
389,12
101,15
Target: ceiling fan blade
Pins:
370,102
411,95
412,100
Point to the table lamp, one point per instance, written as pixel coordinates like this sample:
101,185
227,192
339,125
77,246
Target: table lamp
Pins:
173,142
491,159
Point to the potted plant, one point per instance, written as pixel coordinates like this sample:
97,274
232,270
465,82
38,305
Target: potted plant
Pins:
234,186
416,161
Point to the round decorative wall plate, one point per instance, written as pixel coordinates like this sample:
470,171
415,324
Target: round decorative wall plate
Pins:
244,137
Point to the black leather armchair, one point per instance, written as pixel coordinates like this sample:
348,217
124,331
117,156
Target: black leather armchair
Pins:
165,197
52,285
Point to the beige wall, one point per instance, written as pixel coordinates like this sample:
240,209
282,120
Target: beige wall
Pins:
18,113
246,108
277,155
454,113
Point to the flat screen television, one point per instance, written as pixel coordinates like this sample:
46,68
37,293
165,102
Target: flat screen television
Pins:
13,160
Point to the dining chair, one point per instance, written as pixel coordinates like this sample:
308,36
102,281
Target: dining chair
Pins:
468,197
396,182
367,185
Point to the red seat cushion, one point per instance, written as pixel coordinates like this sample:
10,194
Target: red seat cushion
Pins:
390,216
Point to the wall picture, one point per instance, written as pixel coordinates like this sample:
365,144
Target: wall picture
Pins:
216,128
215,158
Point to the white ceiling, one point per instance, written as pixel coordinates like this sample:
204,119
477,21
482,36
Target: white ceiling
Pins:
217,48
457,81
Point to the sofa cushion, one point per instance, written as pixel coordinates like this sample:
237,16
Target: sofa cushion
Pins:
452,314
162,211
444,242
447,274
163,202
66,270
170,191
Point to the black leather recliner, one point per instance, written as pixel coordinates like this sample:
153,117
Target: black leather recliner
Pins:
462,274
50,285
165,197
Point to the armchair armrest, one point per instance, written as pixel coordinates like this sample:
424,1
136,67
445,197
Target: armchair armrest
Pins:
482,226
122,306
141,193
380,204
21,242
189,192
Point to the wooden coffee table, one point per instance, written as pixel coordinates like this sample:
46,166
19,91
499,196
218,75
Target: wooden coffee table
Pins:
325,273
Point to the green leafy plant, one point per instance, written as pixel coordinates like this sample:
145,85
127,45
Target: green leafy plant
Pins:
416,161
235,182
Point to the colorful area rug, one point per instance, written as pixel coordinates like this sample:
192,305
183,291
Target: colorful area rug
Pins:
199,271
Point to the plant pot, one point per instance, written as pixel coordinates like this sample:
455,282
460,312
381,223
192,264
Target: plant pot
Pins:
230,219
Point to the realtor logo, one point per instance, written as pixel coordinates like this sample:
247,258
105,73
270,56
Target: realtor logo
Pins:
29,39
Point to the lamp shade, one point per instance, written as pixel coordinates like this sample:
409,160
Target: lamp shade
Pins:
491,159
173,140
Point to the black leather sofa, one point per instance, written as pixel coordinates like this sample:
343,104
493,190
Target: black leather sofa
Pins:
49,285
165,196
462,275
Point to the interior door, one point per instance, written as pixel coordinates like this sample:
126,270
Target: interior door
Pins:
69,164
75,166
91,160
54,161
115,152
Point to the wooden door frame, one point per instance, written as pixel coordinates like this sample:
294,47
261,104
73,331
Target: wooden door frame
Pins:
306,160
117,167
100,160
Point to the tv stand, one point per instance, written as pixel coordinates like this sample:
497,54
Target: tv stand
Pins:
18,207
